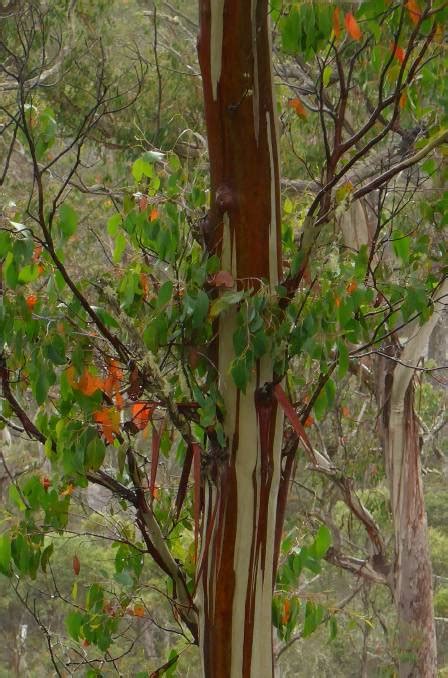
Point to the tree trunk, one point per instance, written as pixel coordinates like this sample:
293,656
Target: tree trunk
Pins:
412,571
236,565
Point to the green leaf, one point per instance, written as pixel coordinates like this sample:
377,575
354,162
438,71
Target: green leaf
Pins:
113,224
401,245
343,359
224,302
16,497
5,243
320,406
326,75
200,309
142,168
330,392
119,248
165,294
240,374
73,622
322,541
68,220
288,206
156,333
240,340
95,453
5,554
46,555
290,30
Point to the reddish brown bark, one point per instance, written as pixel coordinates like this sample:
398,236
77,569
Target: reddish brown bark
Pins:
243,227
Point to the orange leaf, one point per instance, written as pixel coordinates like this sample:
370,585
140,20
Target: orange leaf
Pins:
76,565
114,378
345,412
337,302
31,301
68,491
399,53
139,611
403,100
109,420
36,253
336,22
352,27
309,421
154,214
70,373
119,401
352,286
141,413
89,384
144,284
414,11
298,107
222,279
286,611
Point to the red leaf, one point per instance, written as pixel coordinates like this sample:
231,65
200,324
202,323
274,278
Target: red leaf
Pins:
155,445
352,27
223,279
142,203
31,301
76,565
46,483
183,482
292,415
414,11
399,53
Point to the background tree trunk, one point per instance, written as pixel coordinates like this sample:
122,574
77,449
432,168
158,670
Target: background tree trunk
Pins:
241,484
412,571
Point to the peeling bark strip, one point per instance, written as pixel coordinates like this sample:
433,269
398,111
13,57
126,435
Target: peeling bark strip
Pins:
240,494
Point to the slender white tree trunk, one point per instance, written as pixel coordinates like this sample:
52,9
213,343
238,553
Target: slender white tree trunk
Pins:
412,573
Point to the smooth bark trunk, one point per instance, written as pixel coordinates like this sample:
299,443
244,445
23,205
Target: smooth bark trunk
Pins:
237,556
413,589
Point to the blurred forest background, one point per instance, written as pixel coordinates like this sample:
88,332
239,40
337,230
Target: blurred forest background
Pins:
148,51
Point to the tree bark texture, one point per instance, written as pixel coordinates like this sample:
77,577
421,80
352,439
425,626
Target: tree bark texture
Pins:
412,585
236,563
